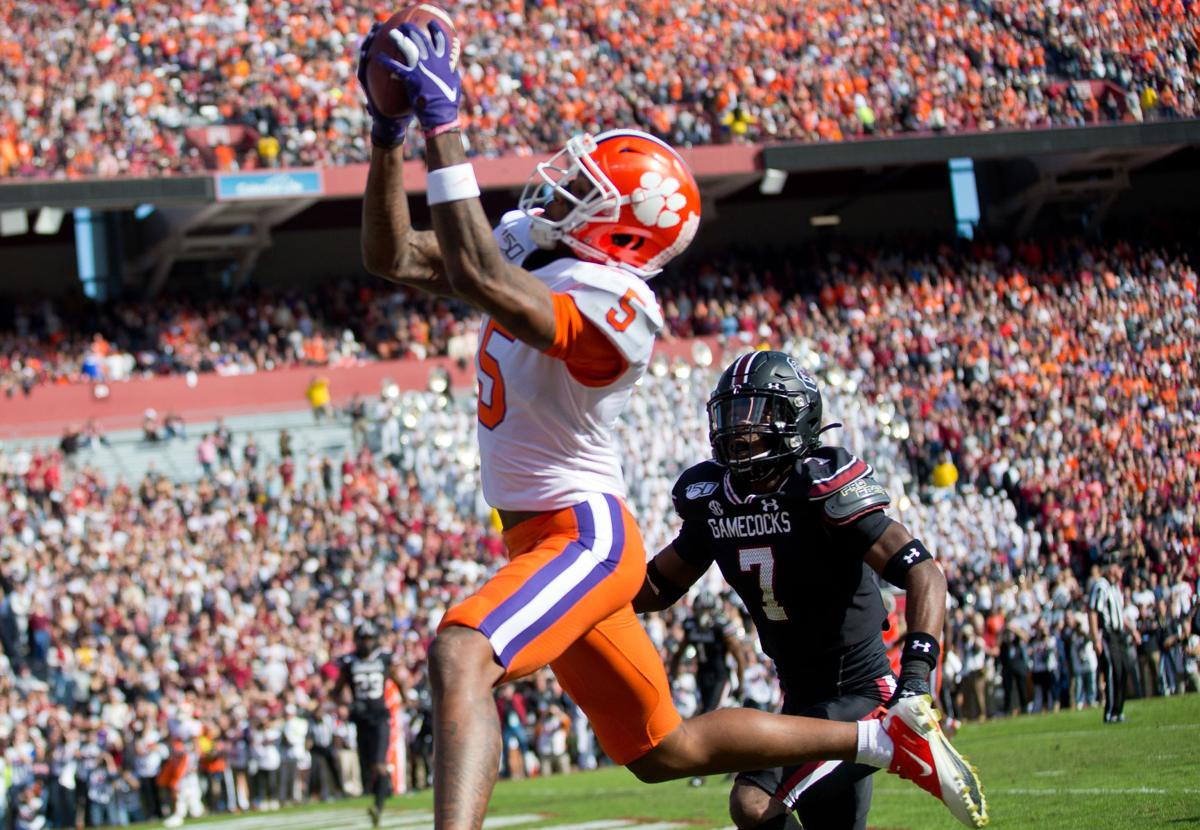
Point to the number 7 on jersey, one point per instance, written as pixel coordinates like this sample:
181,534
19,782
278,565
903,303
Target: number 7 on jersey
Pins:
764,560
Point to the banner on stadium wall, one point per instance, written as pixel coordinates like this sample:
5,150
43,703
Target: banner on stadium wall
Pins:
207,140
269,184
1086,90
397,748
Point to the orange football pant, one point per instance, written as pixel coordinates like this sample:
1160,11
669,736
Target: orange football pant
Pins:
564,600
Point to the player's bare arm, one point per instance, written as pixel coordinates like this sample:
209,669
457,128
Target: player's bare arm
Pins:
903,560
738,649
477,271
339,688
925,582
668,578
400,677
391,247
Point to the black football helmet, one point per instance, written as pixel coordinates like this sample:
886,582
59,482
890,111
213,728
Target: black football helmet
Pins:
764,394
366,638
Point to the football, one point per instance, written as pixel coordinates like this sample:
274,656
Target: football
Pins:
388,93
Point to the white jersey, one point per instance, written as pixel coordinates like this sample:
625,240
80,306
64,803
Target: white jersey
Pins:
546,440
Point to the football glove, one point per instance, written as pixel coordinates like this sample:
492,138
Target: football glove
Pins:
434,86
385,132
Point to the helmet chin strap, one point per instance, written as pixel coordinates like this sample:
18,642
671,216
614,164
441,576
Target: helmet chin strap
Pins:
757,475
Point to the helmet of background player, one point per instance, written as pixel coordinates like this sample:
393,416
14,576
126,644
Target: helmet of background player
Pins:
366,638
704,608
641,210
765,395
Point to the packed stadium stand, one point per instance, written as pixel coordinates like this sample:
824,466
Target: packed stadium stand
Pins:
104,89
1014,367
224,444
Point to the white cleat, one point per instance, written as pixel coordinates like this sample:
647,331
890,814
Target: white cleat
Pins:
924,756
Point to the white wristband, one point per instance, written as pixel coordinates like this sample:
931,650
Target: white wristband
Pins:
451,184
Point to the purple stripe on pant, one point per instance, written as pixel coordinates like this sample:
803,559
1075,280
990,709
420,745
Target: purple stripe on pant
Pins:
576,593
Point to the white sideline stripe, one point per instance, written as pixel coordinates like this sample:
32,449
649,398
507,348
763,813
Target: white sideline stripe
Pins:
509,821
320,820
660,825
293,822
599,824
354,820
1099,791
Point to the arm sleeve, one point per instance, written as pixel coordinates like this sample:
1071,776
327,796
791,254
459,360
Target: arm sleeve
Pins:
692,544
591,358
692,547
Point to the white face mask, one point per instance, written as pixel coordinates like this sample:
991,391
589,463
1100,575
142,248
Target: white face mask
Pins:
552,180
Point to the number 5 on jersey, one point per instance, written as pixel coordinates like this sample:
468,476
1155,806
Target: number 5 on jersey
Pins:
491,382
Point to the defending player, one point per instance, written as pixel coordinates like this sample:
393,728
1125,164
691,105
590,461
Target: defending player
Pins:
365,672
796,529
569,329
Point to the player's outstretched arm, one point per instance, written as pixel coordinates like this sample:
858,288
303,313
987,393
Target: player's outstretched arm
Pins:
474,266
390,247
516,299
668,577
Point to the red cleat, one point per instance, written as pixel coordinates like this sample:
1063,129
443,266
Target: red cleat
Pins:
925,757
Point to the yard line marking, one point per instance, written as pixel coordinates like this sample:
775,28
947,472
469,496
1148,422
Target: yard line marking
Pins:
599,824
294,821
490,823
509,821
1072,791
403,819
1100,791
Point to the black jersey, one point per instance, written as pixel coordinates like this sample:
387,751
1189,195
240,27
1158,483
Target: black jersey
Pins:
367,677
708,636
795,557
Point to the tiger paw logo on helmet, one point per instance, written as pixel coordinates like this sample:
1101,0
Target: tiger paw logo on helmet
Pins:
657,203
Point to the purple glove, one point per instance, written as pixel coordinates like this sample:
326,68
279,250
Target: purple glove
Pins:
385,132
434,86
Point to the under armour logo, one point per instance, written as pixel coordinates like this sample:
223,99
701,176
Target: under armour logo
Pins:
925,647
911,556
769,505
715,507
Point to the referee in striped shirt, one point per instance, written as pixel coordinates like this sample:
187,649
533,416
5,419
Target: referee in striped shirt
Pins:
1106,612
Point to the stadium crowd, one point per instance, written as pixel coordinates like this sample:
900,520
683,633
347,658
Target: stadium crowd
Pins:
337,323
115,88
1030,409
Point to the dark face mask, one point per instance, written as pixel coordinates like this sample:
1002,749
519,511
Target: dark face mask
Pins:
364,647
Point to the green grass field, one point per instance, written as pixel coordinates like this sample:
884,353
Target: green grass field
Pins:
1045,771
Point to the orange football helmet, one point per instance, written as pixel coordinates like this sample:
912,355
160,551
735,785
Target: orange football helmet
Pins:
642,210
